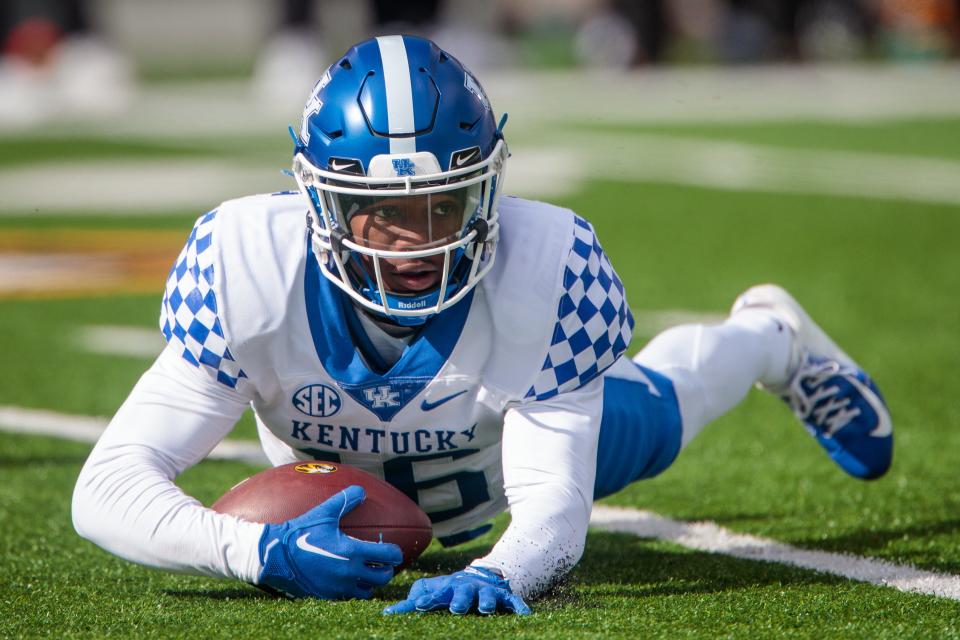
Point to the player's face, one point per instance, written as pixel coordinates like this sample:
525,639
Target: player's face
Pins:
409,223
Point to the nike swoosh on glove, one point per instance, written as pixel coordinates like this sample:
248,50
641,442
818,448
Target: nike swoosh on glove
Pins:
460,593
309,556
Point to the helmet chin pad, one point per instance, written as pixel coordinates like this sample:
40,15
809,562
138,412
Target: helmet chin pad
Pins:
405,301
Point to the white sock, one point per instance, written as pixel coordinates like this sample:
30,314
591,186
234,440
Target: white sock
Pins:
713,367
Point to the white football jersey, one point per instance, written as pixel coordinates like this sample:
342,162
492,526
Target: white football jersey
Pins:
246,302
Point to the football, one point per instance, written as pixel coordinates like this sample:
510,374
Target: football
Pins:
281,493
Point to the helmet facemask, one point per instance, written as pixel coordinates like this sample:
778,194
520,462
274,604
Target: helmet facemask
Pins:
405,246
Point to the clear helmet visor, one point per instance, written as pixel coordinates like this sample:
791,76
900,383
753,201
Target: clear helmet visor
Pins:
398,222
405,245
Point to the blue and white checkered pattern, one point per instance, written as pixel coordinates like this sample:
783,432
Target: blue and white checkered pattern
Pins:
594,324
188,315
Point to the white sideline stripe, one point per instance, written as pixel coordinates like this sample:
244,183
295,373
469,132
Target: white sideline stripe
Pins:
712,538
396,80
702,536
39,422
653,321
742,167
535,171
838,93
146,342
119,340
132,187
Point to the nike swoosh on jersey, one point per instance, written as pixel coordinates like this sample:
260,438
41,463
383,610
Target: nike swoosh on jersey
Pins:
320,551
884,425
430,406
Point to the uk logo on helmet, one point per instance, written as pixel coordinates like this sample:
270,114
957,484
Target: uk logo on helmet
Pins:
404,167
317,400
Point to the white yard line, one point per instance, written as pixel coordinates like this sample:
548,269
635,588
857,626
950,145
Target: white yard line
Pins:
132,187
702,536
119,340
745,167
712,538
545,171
39,422
549,157
857,93
147,342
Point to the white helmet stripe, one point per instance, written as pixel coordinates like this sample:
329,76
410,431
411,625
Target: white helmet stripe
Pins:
396,78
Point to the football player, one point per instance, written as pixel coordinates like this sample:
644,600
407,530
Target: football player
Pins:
399,313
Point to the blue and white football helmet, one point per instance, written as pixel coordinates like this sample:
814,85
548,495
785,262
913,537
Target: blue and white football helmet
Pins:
397,117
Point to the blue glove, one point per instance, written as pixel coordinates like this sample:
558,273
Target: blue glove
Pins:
460,592
310,556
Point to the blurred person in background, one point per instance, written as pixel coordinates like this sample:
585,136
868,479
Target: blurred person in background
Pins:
55,61
293,55
919,29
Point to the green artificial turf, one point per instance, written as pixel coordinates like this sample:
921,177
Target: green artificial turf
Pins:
934,137
880,276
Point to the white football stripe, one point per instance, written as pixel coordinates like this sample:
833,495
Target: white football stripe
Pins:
712,538
702,536
396,78
40,422
119,340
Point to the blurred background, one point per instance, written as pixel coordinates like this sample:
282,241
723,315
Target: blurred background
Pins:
87,57
714,144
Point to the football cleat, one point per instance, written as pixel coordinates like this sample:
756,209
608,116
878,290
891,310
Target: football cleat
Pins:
832,396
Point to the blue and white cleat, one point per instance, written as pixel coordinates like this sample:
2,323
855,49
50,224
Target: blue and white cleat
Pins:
832,396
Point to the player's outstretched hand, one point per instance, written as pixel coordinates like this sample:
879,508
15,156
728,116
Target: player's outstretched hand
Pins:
309,556
473,588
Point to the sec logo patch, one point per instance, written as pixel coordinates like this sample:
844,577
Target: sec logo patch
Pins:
317,400
316,467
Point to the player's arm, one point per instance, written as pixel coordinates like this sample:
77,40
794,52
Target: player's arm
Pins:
549,444
125,499
549,466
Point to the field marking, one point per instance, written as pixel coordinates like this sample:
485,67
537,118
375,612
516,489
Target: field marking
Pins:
852,92
702,536
39,422
147,342
120,340
740,166
132,187
712,538
544,171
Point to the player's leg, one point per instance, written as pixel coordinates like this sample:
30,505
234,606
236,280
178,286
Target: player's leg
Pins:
684,378
702,371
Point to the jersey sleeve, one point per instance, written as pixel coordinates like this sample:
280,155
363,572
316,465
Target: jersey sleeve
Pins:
125,499
189,315
594,323
549,468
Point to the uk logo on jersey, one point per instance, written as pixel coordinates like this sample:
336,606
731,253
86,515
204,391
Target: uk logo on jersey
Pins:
380,397
385,398
317,400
